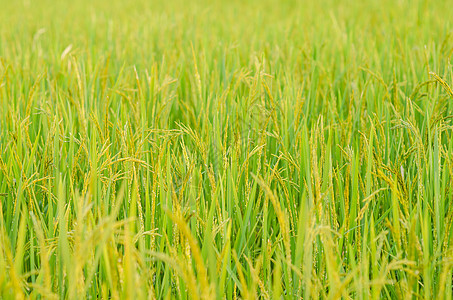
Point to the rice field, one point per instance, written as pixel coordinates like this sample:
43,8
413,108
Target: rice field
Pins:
226,149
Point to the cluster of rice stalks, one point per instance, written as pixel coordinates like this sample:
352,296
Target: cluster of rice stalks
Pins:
229,150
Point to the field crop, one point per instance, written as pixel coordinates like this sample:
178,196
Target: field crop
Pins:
226,149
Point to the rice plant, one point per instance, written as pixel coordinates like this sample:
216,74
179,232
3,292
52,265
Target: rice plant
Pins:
226,149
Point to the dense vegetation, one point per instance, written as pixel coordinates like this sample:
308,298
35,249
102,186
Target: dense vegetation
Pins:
226,149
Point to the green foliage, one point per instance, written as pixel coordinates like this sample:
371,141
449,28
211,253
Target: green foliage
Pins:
226,149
